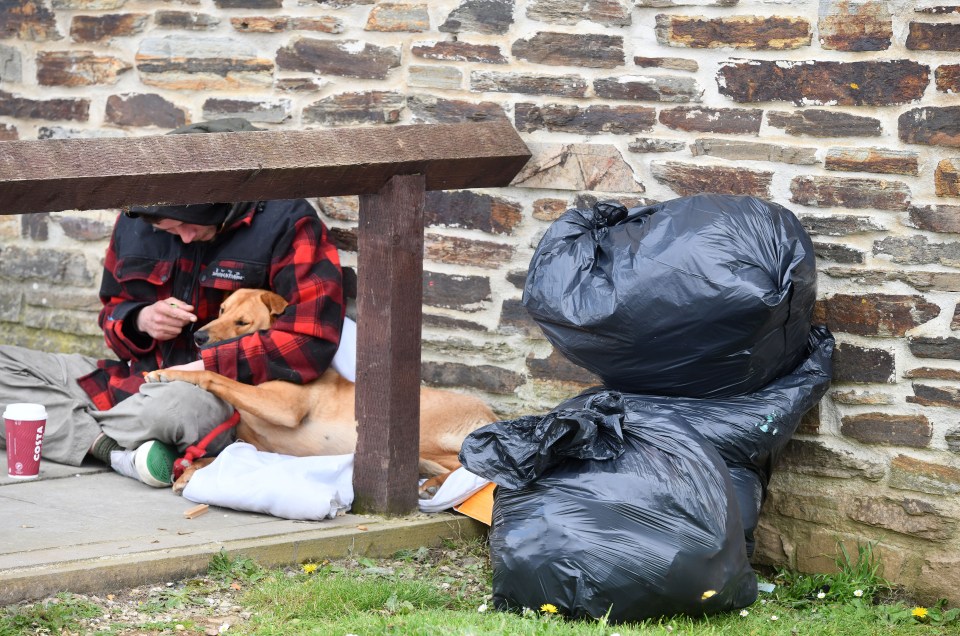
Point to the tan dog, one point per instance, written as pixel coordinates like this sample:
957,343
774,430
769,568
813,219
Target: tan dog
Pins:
318,418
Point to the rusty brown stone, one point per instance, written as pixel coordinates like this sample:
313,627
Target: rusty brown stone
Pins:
826,192
810,422
548,209
485,377
90,28
855,26
344,109
617,120
269,111
874,314
838,253
8,132
449,322
472,211
730,121
455,250
248,4
910,473
453,291
491,17
85,229
299,84
393,17
933,125
825,123
185,20
144,110
867,83
528,84
932,373
947,77
674,63
753,151
612,13
432,109
907,516
344,58
51,109
879,160
460,52
28,20
578,167
927,395
345,239
918,250
936,218
514,319
888,430
852,363
650,144
770,33
938,9
838,224
931,347
78,68
922,281
947,177
35,226
862,398
557,367
815,457
261,24
189,62
689,179
659,88
939,36
571,49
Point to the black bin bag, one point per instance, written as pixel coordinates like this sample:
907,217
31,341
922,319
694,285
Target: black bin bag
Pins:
609,510
702,296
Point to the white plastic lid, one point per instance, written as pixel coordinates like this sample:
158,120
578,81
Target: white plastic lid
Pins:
25,411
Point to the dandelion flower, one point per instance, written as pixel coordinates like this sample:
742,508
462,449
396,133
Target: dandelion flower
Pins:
482,608
919,612
744,613
708,594
548,608
858,593
822,595
309,568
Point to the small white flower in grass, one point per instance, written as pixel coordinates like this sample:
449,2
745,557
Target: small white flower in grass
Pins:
858,593
822,595
482,608
774,617
744,613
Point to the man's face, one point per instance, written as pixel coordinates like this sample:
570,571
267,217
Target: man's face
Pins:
188,232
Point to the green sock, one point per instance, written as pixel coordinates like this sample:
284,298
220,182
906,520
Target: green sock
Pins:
102,446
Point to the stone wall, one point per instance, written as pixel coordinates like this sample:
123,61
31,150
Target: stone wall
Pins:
845,111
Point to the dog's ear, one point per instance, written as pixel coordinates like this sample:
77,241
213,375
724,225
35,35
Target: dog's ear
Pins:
275,303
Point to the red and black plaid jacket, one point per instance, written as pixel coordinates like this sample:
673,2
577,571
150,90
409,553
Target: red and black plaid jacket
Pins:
278,245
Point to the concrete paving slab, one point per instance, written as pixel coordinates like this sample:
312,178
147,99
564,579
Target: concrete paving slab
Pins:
90,530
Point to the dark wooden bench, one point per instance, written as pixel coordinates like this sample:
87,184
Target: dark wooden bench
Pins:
389,167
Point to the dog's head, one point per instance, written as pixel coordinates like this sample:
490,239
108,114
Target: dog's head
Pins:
242,312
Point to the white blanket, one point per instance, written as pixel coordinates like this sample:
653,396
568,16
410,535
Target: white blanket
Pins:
302,488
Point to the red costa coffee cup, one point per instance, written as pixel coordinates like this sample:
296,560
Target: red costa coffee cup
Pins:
24,424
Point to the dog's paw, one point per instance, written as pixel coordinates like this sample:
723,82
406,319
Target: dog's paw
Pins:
154,376
428,492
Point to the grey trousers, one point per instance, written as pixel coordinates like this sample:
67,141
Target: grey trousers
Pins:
177,413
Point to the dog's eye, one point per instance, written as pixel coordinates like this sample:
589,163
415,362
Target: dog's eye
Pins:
241,323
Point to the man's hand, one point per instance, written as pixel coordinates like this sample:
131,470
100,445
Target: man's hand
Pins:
165,319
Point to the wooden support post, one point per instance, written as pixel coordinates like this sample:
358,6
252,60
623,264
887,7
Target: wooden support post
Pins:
389,297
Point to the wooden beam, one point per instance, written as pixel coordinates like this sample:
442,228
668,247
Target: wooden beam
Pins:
389,313
90,174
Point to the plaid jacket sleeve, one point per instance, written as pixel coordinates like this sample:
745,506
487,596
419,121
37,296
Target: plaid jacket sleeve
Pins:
117,307
305,270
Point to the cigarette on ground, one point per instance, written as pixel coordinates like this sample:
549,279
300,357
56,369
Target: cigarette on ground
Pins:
196,511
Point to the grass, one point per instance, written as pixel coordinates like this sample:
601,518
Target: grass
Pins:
446,592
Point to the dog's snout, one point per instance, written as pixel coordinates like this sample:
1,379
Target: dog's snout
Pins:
201,337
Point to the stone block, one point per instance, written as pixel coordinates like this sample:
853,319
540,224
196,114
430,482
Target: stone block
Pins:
548,210
839,224
45,265
28,20
933,347
459,52
144,110
853,363
816,458
674,63
918,475
471,210
935,36
268,111
880,160
185,20
597,167
810,421
96,28
918,250
736,150
345,239
480,376
888,430
947,177
454,250
181,62
952,437
919,280
650,144
947,77
347,109
862,398
392,17
8,132
611,13
931,125
88,5
571,49
528,84
85,227
936,218
857,25
488,17
689,179
441,77
874,314
825,123
451,291
932,373
78,68
838,253
728,121
11,64
827,192
448,322
758,33
248,4
821,509
514,319
651,88
344,58
433,109
557,367
927,395
62,132
867,83
589,120
938,579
